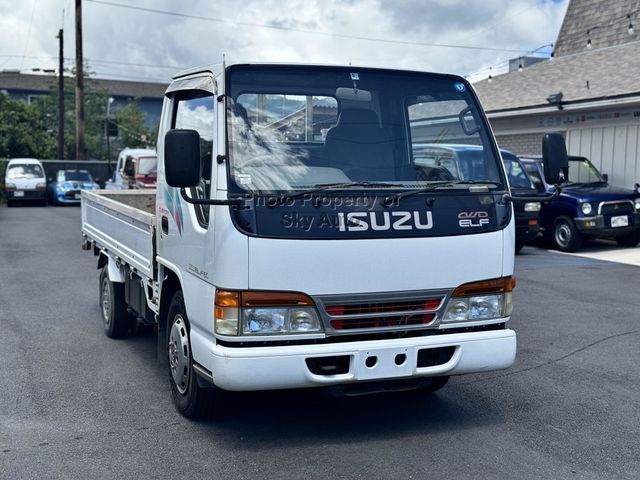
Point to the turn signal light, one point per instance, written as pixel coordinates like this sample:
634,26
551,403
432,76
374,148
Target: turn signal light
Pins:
483,287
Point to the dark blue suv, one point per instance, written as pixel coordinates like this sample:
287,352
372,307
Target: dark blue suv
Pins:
588,207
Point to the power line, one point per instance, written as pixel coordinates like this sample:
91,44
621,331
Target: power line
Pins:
26,45
301,30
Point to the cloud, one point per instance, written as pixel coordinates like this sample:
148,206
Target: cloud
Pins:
129,36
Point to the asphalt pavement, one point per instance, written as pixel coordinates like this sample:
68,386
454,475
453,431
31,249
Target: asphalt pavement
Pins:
75,404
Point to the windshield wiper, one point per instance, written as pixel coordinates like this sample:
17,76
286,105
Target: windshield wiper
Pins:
321,187
437,186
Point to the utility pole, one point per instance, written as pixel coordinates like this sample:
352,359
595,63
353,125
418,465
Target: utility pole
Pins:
61,96
80,144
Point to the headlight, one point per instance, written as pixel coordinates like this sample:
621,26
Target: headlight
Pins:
637,203
485,300
586,208
9,186
532,207
41,186
264,313
270,321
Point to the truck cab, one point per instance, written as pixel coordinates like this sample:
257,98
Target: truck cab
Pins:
587,208
296,240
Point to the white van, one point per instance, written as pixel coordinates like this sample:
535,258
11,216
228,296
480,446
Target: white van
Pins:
25,182
116,183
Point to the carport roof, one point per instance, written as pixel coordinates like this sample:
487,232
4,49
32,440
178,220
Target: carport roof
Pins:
609,72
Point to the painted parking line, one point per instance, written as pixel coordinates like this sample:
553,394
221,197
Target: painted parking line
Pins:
595,253
627,256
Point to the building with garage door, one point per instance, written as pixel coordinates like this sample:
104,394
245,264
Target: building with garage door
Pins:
590,91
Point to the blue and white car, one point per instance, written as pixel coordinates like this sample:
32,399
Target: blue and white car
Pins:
67,186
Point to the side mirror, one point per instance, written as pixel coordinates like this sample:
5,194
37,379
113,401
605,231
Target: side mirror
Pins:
182,158
555,159
606,177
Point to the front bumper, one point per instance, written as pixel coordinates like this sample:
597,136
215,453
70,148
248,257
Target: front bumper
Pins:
526,230
600,225
279,367
26,195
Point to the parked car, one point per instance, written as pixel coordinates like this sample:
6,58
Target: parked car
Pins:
127,155
68,184
140,172
442,162
587,208
25,182
527,213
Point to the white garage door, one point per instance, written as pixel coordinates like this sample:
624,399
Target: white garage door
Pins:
614,150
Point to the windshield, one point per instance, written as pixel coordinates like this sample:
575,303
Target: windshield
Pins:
74,176
300,128
518,178
24,171
147,165
582,170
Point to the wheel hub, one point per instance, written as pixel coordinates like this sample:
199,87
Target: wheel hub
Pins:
563,234
179,354
106,302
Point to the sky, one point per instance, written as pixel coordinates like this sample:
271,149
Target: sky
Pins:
125,43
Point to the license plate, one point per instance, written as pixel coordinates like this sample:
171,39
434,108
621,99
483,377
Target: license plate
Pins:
77,196
621,221
385,363
18,193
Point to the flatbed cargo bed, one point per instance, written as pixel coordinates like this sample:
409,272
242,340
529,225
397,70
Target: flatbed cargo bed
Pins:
122,223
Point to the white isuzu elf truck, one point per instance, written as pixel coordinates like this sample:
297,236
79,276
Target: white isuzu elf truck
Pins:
297,238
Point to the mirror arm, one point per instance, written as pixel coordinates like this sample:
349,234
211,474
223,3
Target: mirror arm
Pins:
541,198
197,201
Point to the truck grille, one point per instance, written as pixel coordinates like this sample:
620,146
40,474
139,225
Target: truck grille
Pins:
353,314
617,208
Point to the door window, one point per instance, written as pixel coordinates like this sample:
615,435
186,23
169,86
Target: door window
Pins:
195,111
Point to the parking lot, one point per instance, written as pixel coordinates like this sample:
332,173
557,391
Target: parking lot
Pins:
75,404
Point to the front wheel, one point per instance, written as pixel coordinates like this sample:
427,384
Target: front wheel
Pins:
189,396
433,384
630,240
566,237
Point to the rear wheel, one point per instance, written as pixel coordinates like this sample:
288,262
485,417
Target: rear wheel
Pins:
566,237
116,320
630,240
190,397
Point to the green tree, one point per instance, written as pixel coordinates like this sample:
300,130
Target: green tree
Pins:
132,130
25,130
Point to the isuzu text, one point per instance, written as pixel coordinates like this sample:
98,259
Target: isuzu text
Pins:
300,236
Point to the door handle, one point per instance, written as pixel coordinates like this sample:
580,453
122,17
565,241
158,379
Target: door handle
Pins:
165,225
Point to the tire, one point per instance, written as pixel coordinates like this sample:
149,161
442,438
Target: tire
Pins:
566,237
519,245
630,240
190,397
433,384
116,320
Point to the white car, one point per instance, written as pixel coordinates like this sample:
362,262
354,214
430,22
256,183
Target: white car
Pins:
25,182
